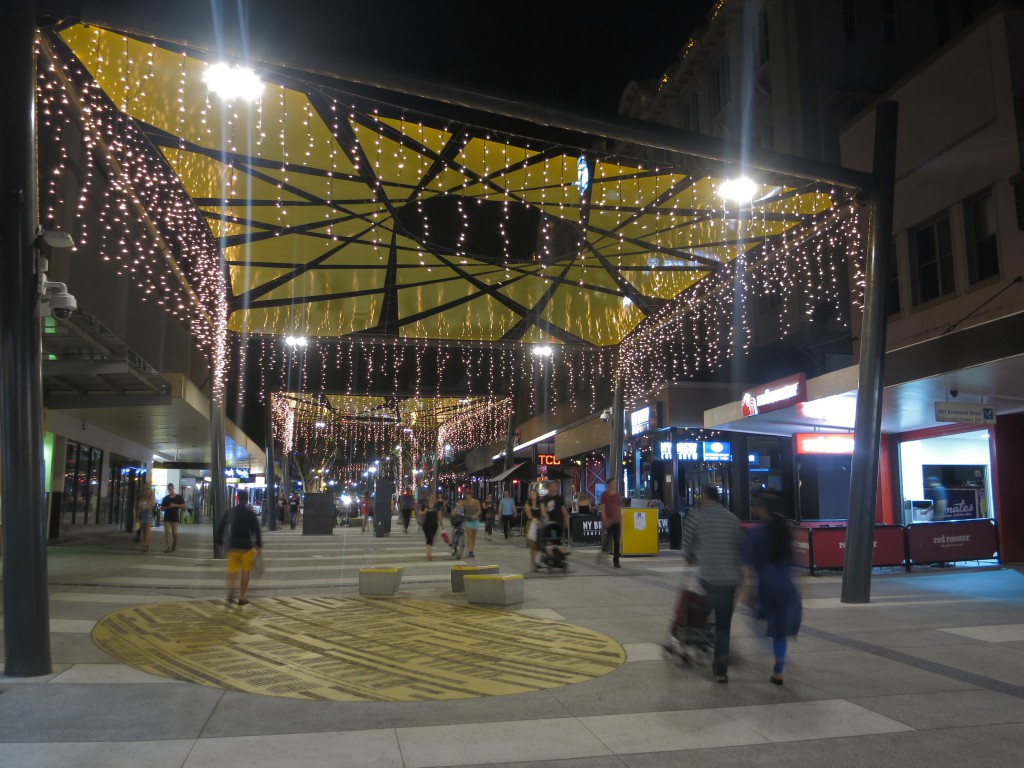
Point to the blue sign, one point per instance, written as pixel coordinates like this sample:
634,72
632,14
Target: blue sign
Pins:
716,450
582,175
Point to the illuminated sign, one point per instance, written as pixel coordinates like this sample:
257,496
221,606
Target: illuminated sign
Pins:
688,451
640,421
239,473
781,393
820,443
717,450
582,175
665,451
548,460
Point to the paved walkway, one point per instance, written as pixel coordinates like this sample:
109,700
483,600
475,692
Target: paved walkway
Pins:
930,673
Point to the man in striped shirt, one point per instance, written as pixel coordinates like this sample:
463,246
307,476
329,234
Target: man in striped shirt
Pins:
713,537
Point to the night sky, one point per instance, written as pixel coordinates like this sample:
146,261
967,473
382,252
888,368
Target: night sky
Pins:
579,54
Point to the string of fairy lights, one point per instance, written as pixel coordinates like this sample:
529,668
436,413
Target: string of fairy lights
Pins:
705,326
647,274
169,256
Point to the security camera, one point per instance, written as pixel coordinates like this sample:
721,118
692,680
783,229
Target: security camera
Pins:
953,393
57,239
57,301
606,414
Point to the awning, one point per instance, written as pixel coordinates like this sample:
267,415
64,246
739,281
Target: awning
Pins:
508,473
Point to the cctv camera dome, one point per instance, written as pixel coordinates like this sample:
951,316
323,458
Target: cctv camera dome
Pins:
62,305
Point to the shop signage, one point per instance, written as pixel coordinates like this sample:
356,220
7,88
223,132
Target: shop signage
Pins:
952,541
665,451
962,503
822,443
781,393
640,421
585,528
548,460
239,473
717,451
965,413
688,451
827,547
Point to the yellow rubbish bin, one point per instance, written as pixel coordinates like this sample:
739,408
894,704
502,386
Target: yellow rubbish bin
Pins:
639,531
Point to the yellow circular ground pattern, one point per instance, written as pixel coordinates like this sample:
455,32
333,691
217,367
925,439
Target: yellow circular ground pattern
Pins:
356,649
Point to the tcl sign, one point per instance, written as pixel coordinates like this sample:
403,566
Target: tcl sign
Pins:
548,460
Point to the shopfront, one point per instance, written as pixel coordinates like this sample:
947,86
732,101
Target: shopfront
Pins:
946,474
671,466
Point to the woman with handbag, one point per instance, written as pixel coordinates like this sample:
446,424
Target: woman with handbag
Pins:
432,520
534,514
144,506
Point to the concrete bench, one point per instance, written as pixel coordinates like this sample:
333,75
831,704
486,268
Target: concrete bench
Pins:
461,571
379,582
507,589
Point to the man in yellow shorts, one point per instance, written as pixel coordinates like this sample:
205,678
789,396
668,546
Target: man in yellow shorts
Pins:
244,543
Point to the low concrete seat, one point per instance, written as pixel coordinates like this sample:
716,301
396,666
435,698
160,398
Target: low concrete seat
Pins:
379,582
460,571
506,589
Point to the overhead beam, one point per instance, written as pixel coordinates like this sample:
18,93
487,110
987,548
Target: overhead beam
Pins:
77,402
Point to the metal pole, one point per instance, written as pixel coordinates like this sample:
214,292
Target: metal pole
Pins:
270,499
217,485
614,469
26,602
860,533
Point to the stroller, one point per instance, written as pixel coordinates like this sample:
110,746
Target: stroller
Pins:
691,634
551,552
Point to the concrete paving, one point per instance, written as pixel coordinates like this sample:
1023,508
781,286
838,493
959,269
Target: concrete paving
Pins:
930,673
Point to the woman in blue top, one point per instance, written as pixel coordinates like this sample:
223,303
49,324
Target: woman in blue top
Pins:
770,555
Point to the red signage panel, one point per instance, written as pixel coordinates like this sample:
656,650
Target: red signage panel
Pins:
822,443
828,547
952,541
778,394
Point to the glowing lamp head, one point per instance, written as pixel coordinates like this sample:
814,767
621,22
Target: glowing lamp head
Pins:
233,82
738,190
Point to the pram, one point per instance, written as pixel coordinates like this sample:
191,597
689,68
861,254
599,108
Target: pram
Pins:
690,634
551,552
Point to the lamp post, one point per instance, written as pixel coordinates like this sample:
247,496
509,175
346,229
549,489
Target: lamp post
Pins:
293,343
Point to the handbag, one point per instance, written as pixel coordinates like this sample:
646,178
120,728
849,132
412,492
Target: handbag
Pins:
137,527
445,537
259,565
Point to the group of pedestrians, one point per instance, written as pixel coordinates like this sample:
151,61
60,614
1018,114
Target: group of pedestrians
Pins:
759,563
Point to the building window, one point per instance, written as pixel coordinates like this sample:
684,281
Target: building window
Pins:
931,261
943,24
889,31
982,247
892,283
850,19
720,86
764,47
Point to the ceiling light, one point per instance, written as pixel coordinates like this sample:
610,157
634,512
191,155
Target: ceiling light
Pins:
232,82
543,351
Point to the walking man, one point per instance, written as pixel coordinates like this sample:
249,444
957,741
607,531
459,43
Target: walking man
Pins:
713,537
172,505
558,512
507,508
611,518
244,543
